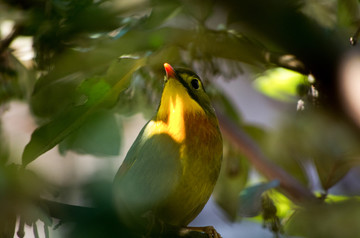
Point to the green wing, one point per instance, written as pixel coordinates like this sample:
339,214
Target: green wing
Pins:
149,173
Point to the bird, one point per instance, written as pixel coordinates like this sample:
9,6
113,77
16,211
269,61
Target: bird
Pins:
172,167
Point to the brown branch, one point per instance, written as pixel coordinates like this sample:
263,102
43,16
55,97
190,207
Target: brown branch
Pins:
287,61
297,192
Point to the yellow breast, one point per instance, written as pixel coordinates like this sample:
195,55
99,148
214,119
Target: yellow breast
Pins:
170,119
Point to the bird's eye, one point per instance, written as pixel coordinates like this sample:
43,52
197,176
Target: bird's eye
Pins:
195,83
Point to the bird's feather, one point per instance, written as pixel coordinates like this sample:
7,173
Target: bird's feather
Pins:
148,174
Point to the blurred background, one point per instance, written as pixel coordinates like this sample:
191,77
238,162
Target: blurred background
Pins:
79,79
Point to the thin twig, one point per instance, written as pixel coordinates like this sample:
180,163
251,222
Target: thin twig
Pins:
288,184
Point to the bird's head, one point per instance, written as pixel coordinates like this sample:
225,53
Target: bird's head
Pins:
183,91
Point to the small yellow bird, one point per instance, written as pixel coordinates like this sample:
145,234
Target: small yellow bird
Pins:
171,169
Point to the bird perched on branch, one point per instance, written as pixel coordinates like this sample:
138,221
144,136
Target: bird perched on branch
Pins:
171,169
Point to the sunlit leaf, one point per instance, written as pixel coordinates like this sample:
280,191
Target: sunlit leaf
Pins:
284,206
279,83
333,198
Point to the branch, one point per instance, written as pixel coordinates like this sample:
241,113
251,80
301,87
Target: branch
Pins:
290,186
287,61
66,212
80,214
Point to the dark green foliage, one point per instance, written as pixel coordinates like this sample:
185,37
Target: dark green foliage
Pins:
327,220
103,95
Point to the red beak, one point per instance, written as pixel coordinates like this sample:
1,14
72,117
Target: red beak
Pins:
170,72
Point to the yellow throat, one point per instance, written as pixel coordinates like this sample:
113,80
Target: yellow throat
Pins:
175,105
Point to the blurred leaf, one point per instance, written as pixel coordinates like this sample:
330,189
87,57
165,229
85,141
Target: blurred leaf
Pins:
92,89
348,12
199,9
99,192
286,150
47,136
307,136
129,23
322,11
326,220
333,156
141,96
43,101
99,135
74,64
284,206
7,222
16,80
59,24
333,172
35,230
250,198
162,12
334,198
256,133
232,179
31,213
280,83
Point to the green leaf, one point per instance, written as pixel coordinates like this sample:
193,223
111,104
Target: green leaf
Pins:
326,220
309,137
348,11
49,135
7,223
279,83
250,198
162,12
99,135
43,101
332,172
74,64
